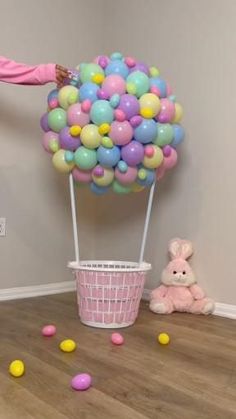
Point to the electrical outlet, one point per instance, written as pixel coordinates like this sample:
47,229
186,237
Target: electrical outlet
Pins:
2,226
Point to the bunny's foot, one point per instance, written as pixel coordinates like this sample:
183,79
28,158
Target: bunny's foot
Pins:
203,306
161,306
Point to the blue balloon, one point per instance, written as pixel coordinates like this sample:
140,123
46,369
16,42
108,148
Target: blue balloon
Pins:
53,94
108,157
178,135
146,132
151,175
98,190
160,84
117,67
88,91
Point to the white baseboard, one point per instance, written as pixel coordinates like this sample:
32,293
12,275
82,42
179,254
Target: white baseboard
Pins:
221,309
36,290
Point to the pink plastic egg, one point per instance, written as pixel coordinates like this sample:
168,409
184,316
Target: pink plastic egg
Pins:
117,339
81,382
49,330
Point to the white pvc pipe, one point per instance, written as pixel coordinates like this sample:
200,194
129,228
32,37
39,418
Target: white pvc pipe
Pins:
147,220
74,220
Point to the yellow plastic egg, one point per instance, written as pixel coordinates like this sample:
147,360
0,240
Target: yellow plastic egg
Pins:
163,338
104,129
75,130
17,368
98,78
154,72
68,345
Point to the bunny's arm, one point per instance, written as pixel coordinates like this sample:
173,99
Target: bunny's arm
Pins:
197,292
159,292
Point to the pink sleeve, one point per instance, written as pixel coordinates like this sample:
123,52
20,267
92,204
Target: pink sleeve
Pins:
16,73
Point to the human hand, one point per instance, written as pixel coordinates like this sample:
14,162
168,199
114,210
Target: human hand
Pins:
61,74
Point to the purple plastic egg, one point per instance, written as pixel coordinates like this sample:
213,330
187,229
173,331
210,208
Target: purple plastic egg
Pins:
81,382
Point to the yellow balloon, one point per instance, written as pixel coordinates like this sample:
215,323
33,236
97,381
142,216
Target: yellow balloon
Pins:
154,161
98,78
104,129
75,130
17,368
135,187
150,105
67,345
178,113
90,136
60,163
67,96
106,179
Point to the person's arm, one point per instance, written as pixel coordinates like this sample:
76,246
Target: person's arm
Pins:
17,73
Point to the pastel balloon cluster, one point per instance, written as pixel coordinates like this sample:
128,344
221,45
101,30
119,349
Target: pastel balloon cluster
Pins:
114,124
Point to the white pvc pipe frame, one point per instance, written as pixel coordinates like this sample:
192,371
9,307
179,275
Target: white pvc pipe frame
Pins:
75,227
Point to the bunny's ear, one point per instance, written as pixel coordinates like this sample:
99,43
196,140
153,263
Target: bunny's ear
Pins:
175,248
186,249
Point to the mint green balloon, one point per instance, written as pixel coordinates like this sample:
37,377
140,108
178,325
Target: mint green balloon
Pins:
137,83
57,119
120,189
101,112
87,71
85,158
165,134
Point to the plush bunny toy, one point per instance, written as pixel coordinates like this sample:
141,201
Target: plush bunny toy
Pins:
179,291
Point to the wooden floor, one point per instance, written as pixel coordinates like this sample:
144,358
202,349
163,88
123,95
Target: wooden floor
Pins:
192,378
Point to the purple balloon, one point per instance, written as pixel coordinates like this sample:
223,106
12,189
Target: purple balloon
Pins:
129,104
133,153
44,123
140,67
68,142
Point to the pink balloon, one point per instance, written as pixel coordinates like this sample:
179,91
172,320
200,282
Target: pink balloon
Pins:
83,176
128,177
75,115
167,112
121,132
114,84
49,136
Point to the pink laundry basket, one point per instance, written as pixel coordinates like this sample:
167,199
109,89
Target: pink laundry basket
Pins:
109,293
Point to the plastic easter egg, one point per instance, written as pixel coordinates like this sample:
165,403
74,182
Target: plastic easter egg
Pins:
154,161
108,157
178,135
146,177
127,177
67,141
104,129
133,153
117,339
107,142
49,330
89,91
81,382
67,96
75,115
85,158
104,180
88,71
60,163
163,338
150,105
137,83
82,176
51,142
165,134
154,72
101,112
57,119
114,84
178,113
129,104
115,100
90,136
67,345
116,56
121,133
17,368
146,132
117,67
